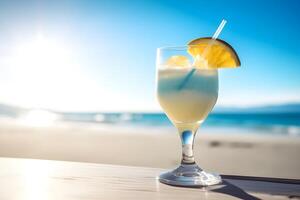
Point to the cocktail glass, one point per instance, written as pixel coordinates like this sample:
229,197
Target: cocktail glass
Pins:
187,99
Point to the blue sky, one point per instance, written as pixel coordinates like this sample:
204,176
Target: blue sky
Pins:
100,55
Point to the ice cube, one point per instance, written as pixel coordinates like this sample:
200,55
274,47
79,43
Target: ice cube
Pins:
200,62
178,61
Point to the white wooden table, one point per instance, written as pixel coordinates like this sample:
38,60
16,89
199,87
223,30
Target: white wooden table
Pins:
28,179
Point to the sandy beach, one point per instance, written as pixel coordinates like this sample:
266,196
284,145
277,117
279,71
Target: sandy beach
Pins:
253,155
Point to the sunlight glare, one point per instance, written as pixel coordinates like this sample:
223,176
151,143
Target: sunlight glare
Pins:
46,73
39,118
36,180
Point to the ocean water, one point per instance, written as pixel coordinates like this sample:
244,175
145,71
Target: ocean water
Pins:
263,123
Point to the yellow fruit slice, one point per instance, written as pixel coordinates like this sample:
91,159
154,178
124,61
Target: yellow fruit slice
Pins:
213,54
178,61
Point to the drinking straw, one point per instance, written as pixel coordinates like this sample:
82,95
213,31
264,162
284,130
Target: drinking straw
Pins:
214,37
219,29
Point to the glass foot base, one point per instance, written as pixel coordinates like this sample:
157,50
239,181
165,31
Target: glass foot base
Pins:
189,176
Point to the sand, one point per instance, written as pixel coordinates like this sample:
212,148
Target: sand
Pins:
253,155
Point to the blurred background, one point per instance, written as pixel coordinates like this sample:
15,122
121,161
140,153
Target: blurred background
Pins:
77,82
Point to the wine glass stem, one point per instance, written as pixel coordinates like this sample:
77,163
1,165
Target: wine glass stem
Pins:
187,139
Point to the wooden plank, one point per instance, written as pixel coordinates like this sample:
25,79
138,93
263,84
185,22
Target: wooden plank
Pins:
42,180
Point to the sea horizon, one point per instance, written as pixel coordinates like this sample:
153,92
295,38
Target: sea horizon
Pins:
267,120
